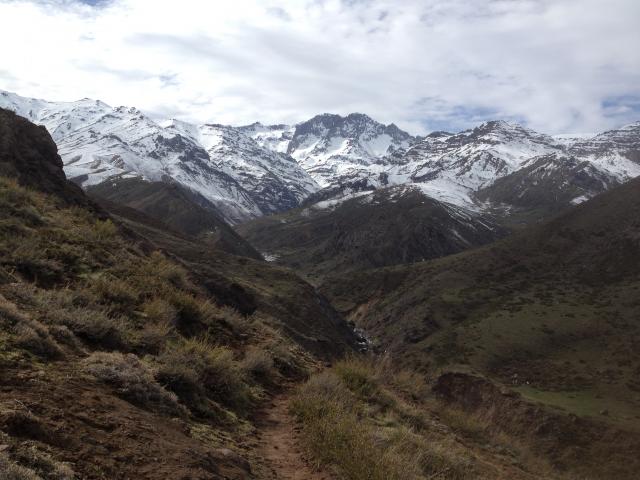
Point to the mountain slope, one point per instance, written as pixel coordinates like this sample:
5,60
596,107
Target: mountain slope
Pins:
177,207
550,314
29,155
256,170
546,185
367,230
556,304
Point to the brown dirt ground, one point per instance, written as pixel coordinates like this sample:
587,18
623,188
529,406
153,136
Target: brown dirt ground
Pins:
278,443
80,421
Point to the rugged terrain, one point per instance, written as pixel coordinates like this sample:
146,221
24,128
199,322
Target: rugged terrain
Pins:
498,168
99,143
134,319
120,337
550,313
395,225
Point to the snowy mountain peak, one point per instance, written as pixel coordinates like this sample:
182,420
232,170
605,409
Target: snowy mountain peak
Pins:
224,165
259,169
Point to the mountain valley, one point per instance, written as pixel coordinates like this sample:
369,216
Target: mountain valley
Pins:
335,299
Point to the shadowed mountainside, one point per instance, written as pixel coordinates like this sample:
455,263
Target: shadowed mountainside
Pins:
385,227
180,209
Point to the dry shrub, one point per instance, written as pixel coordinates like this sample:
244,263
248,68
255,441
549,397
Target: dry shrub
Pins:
104,231
152,339
409,384
66,337
335,435
466,424
9,313
240,325
359,375
94,327
133,380
160,311
10,470
158,269
44,464
114,293
259,364
31,335
342,430
190,313
196,369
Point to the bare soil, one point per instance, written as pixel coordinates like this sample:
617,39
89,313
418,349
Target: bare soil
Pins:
279,445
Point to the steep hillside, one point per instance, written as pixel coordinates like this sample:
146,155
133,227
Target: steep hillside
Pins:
367,230
29,155
544,186
551,312
112,346
177,207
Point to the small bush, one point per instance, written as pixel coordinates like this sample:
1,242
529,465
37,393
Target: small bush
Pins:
196,368
239,324
159,310
190,318
44,464
114,293
133,380
104,230
9,314
340,428
10,470
64,336
359,376
152,339
335,435
259,364
94,327
35,337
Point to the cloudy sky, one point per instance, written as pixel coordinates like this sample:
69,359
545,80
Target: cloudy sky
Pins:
555,65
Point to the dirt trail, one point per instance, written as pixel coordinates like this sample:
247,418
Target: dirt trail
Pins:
279,444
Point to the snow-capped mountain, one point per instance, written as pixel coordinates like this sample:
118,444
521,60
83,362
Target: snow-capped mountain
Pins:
335,150
274,180
616,152
460,168
258,169
228,168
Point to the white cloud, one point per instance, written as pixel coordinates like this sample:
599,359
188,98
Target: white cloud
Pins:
556,65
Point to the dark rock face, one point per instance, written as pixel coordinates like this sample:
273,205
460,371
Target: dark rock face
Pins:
28,154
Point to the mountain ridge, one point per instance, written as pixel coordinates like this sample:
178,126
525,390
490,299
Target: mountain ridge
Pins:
256,170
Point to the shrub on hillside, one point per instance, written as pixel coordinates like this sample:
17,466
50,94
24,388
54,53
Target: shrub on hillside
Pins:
133,380
43,464
31,335
340,428
94,327
195,368
10,470
259,364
